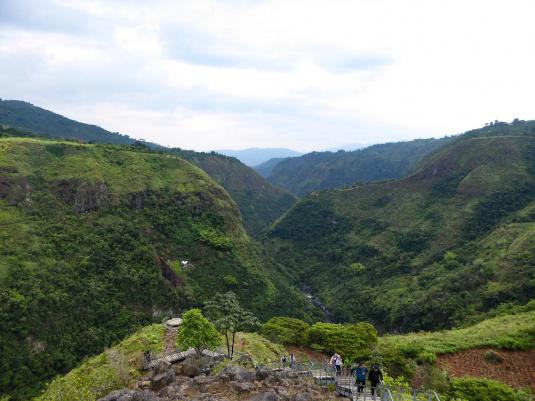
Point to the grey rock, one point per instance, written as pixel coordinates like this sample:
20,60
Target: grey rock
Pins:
265,396
262,373
159,381
242,387
238,373
162,367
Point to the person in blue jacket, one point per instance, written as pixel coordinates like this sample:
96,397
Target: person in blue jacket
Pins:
360,376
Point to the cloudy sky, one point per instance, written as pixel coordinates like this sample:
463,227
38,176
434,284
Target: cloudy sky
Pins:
302,74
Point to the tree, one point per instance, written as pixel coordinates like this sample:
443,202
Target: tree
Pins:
229,317
197,332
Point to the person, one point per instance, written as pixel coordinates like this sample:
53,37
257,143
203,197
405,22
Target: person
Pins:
292,360
360,375
338,364
376,377
283,361
332,362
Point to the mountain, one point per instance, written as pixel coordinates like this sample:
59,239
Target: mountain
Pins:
90,248
26,116
265,169
325,170
444,246
256,156
349,147
260,202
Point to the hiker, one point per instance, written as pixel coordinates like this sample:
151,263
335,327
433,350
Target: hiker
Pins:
360,375
376,377
292,360
283,361
336,362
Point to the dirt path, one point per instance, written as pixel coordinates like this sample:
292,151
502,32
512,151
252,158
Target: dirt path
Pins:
516,368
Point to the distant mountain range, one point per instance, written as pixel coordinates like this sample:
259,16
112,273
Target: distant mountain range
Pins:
256,156
325,170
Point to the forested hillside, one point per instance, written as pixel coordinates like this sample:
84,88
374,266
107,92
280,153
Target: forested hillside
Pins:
443,246
326,170
90,247
24,115
260,202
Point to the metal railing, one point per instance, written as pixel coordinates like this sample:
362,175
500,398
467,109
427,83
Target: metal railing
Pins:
345,383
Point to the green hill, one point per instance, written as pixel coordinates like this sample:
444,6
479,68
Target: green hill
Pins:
90,247
260,202
24,115
442,247
326,170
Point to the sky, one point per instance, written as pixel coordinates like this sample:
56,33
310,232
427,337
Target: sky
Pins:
301,74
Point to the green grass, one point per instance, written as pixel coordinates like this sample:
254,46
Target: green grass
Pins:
259,348
506,332
111,370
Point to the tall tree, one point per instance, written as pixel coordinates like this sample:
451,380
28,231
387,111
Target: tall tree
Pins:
225,311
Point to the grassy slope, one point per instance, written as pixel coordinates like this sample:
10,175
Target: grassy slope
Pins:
324,170
108,371
505,332
433,250
260,202
71,283
100,374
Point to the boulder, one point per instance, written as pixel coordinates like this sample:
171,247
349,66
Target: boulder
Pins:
130,395
262,373
240,387
159,381
237,373
265,396
162,367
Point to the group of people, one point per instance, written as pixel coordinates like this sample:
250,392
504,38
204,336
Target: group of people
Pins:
375,376
288,360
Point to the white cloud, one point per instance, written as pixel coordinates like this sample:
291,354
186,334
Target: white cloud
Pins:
305,74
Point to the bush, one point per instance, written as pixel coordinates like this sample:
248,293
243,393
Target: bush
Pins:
286,330
471,389
349,340
197,332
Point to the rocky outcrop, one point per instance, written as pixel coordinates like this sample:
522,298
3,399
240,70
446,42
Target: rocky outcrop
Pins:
233,383
84,196
15,190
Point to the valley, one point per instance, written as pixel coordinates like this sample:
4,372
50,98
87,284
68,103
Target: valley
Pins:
93,235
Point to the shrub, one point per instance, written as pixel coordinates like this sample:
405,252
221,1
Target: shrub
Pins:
349,340
471,389
286,330
197,332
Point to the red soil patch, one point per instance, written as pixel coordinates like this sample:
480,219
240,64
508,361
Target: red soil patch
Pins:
302,353
516,368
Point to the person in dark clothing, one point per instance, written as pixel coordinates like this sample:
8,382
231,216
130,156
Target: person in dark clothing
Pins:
360,375
375,376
